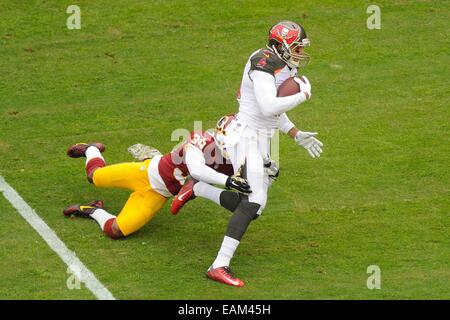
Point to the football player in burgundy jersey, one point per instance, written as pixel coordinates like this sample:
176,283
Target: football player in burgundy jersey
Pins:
152,181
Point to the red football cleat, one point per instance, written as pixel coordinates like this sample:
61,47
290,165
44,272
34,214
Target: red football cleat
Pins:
78,150
185,194
224,275
84,211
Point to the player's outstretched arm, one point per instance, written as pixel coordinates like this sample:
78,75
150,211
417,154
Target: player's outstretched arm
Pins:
302,138
195,162
307,140
266,94
198,170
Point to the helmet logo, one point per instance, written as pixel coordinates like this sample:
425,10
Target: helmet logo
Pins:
281,33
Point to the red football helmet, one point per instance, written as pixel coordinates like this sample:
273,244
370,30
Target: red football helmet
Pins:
286,39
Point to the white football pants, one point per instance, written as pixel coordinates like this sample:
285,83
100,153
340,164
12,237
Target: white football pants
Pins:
250,149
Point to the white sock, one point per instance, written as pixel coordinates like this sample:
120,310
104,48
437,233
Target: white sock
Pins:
101,216
93,152
204,190
226,252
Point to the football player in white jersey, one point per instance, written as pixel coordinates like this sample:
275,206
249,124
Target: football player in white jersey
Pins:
246,137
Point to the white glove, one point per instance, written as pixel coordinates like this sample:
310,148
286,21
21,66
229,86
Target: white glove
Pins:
307,141
305,86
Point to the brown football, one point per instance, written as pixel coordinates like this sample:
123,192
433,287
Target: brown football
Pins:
288,88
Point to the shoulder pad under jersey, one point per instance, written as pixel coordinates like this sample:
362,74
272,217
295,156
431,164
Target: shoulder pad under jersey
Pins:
267,61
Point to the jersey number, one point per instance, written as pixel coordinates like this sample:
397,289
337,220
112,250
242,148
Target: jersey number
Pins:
198,141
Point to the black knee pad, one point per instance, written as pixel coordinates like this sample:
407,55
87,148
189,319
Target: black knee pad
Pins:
243,215
229,200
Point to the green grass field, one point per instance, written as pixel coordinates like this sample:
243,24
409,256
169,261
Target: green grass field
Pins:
379,195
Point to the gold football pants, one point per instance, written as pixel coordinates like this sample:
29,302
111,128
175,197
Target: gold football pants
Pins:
143,204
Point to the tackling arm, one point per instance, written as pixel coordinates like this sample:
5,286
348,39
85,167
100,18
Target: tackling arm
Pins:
198,170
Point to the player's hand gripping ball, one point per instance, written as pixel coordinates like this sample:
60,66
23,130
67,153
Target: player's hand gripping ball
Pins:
294,85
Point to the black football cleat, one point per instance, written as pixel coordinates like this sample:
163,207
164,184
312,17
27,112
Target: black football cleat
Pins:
79,150
84,211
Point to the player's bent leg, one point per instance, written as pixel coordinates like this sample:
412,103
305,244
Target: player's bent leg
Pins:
92,152
220,271
94,160
92,166
95,210
242,216
227,199
127,175
140,208
248,153
106,221
239,222
230,200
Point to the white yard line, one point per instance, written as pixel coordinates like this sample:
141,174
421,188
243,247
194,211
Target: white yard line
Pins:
69,257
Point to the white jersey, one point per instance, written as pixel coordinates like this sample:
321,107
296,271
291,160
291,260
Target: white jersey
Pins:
249,112
261,112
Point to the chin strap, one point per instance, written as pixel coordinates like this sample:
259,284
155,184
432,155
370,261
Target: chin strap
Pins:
290,64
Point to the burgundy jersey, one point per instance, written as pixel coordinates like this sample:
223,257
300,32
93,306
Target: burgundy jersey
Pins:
172,166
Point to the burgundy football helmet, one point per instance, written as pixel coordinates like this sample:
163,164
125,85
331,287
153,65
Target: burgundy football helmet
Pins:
221,132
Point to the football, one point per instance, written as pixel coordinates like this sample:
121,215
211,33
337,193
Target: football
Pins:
288,88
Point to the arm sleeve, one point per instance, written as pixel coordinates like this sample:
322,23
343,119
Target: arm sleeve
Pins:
285,124
195,162
266,95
